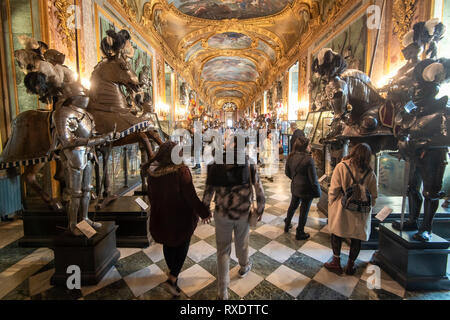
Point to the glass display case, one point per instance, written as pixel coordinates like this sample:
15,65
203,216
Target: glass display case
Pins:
390,176
124,168
286,133
323,127
311,124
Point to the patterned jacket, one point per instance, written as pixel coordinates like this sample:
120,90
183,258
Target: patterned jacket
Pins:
235,202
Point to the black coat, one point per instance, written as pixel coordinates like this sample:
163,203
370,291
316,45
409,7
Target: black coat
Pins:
300,168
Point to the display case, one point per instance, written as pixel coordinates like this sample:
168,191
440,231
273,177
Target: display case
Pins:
319,150
286,133
311,124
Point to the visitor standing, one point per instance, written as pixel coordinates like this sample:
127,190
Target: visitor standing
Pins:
268,156
352,193
300,168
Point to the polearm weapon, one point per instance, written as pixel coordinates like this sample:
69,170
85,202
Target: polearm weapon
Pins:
405,191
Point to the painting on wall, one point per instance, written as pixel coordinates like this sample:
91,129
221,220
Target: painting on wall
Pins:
141,57
20,24
229,93
141,61
229,69
351,43
230,9
230,40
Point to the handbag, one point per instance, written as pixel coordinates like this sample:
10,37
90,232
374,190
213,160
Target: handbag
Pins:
253,216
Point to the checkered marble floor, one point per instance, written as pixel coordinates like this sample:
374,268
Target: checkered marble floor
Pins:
283,268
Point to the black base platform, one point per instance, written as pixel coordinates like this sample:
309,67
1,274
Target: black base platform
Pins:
415,265
131,219
94,256
41,225
441,222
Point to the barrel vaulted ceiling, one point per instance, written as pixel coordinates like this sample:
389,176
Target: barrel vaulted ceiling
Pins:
230,50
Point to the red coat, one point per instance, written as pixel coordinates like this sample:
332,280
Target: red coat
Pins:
175,206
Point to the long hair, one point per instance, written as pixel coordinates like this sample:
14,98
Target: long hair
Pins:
360,157
164,154
300,145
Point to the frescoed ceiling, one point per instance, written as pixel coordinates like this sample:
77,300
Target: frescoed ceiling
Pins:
231,50
229,9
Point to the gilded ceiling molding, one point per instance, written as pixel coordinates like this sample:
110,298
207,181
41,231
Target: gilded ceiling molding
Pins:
130,8
402,16
218,27
64,14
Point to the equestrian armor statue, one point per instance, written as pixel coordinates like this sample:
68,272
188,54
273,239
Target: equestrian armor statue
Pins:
410,119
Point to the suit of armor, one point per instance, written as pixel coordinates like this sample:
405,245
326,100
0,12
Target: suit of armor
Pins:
74,133
426,153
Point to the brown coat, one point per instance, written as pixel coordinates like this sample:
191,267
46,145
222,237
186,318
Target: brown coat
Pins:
175,206
342,222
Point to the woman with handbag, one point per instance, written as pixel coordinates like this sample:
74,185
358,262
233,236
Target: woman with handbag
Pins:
232,185
175,211
300,168
347,219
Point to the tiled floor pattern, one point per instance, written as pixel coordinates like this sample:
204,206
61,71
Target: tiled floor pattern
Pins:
283,268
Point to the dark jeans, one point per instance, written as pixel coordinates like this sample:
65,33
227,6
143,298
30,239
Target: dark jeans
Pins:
175,257
355,247
304,210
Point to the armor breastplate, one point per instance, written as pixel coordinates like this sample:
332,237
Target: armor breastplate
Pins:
80,123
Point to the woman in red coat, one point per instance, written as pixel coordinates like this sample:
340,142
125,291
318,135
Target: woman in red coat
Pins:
175,211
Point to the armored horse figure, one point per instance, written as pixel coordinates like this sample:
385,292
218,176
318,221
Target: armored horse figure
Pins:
33,148
108,104
409,119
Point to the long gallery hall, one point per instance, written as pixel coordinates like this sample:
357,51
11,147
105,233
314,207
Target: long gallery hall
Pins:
191,150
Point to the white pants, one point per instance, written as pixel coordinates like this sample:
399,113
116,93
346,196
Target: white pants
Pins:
224,231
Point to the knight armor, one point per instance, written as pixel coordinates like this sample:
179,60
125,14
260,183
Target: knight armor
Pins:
75,137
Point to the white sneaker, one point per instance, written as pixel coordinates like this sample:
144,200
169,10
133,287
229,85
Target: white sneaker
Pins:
244,271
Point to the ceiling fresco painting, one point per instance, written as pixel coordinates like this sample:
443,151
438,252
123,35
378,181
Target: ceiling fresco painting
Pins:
230,69
230,9
230,40
266,49
228,60
230,93
193,50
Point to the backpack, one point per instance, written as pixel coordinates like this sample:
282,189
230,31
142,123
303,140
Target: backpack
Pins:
353,199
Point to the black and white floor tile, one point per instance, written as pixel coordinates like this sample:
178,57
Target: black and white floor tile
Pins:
283,268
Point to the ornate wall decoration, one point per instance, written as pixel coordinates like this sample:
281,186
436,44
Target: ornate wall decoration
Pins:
65,14
303,70
160,75
402,16
130,8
